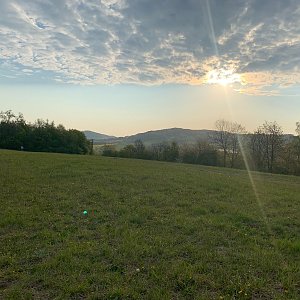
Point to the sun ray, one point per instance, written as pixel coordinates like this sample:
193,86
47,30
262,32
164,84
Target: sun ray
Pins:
250,176
224,77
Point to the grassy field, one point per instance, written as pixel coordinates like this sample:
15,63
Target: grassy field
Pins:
153,230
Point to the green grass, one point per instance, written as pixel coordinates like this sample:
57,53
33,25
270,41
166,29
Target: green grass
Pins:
153,230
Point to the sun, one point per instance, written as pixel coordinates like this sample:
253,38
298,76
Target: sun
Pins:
222,77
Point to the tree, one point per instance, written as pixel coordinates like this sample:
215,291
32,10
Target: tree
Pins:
297,142
292,153
171,152
257,152
273,142
266,145
157,151
13,130
200,153
109,150
7,116
128,151
226,138
221,137
139,149
16,134
236,131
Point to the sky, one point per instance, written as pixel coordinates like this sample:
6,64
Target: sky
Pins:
125,66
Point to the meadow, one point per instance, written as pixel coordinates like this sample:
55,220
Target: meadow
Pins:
153,230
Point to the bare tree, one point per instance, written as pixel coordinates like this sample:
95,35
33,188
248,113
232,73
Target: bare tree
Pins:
222,137
274,142
266,144
139,148
227,139
236,131
257,148
297,142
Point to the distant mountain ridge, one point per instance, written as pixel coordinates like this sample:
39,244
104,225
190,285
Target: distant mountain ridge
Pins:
97,136
180,135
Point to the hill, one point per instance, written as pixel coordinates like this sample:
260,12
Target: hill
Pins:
179,135
97,136
153,230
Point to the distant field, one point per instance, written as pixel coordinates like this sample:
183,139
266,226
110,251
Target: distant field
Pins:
153,230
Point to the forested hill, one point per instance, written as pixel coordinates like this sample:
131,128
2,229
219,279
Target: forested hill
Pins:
180,135
97,136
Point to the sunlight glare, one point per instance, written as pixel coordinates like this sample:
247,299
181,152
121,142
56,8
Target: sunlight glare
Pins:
222,77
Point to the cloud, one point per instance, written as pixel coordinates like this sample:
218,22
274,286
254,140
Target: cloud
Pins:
155,41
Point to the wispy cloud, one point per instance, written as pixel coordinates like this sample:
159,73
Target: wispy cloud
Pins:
155,41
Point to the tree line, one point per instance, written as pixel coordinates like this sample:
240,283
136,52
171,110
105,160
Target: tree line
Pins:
42,136
267,149
200,153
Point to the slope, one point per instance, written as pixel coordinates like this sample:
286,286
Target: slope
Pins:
153,230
